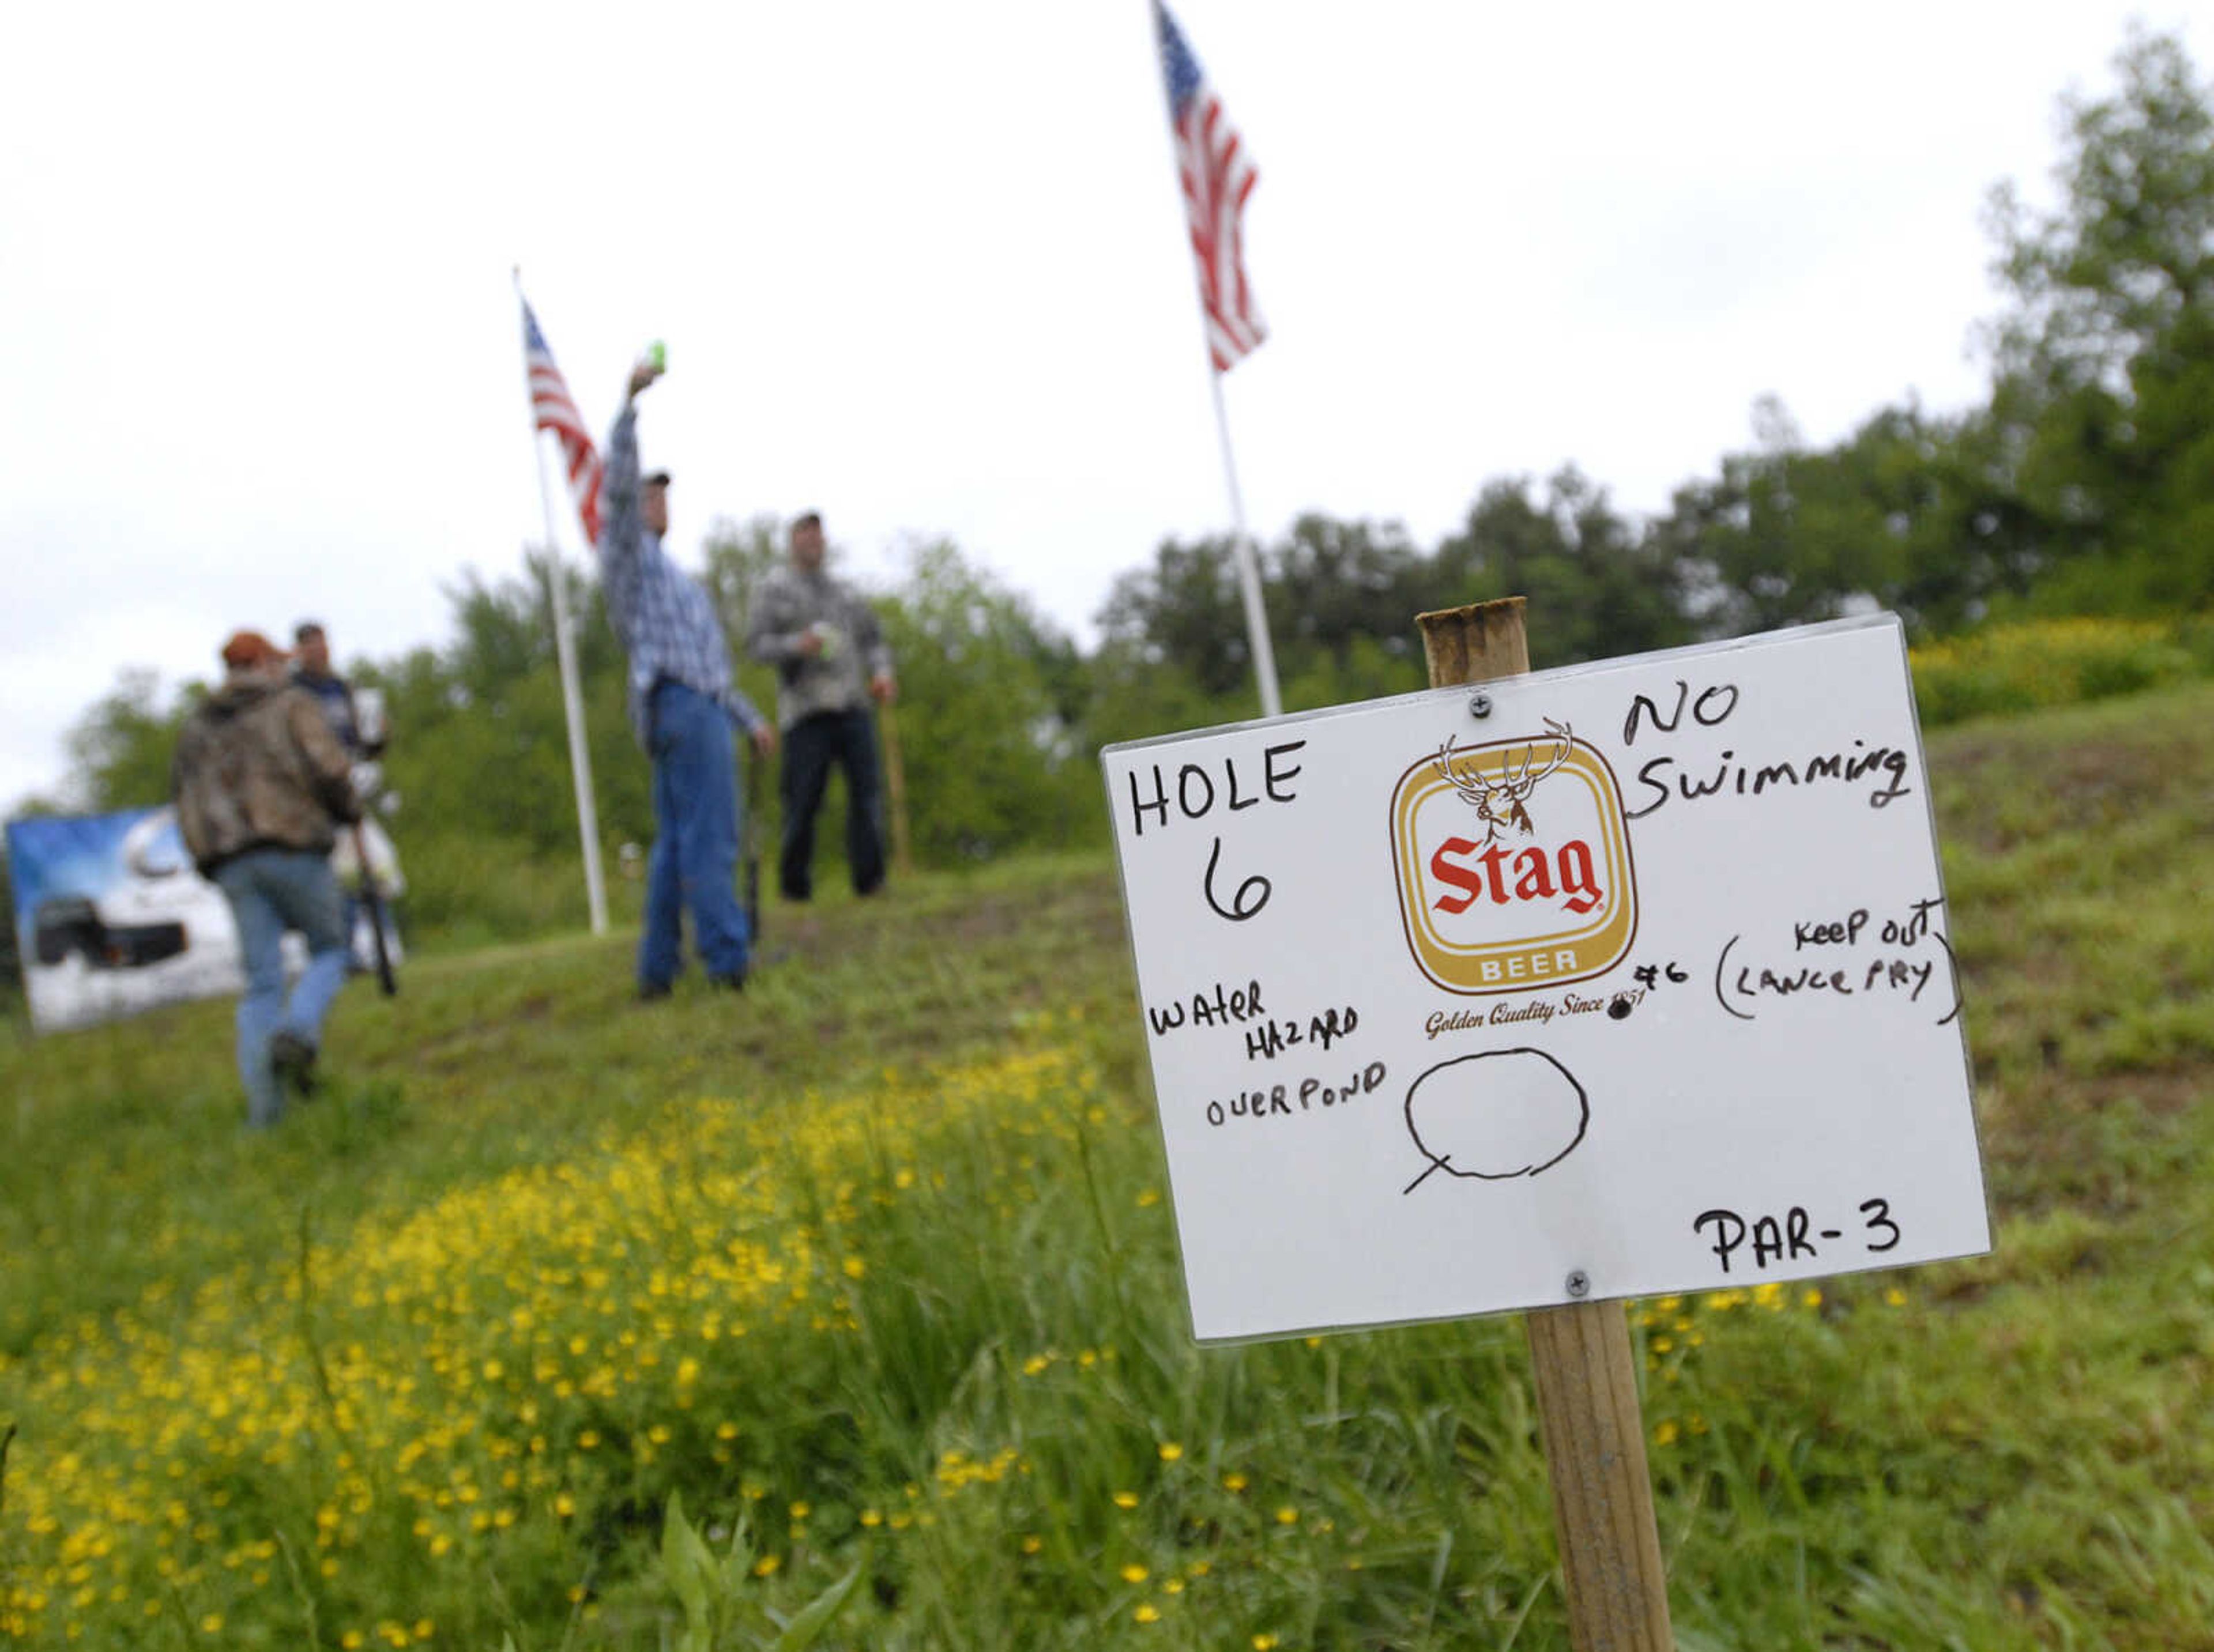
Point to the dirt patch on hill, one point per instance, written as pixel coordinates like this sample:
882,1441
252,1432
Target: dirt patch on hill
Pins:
2102,1145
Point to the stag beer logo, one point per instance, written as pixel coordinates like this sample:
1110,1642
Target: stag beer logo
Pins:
1514,864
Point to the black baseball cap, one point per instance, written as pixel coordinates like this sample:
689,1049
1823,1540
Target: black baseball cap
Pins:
654,479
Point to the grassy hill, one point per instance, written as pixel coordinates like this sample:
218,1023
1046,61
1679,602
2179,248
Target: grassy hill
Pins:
873,1266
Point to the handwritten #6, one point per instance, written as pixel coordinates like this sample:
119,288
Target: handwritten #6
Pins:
1195,798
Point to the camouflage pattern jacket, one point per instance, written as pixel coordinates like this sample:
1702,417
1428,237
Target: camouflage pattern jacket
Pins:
258,767
787,607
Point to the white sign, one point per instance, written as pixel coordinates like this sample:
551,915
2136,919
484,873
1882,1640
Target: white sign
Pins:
1637,983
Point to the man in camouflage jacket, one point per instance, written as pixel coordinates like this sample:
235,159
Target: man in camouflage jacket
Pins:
261,784
831,660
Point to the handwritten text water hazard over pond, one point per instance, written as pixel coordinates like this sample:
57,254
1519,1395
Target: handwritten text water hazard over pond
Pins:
1268,1037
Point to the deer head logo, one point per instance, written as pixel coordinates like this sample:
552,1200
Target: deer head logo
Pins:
1499,801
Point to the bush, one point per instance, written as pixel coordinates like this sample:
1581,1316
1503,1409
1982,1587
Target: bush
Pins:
2033,664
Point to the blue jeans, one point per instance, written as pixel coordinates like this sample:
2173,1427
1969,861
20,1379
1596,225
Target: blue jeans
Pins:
271,891
696,840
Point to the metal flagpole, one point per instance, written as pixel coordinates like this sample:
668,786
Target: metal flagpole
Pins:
1249,572
572,708
573,696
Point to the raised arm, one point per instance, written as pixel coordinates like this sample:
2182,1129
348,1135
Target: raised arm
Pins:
623,529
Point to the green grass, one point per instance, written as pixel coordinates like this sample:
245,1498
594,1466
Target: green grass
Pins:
915,1162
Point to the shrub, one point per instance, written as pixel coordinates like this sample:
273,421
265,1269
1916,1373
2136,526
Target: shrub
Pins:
2033,664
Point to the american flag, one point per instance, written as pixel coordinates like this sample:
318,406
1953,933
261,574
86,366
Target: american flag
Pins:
552,410
1217,177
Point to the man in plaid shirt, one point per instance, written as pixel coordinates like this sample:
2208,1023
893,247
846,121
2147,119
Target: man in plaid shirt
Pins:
682,704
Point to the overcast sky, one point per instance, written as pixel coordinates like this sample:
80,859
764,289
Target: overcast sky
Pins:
923,267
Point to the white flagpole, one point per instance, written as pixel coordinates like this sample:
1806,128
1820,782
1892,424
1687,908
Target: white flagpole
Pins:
1249,571
572,708
573,696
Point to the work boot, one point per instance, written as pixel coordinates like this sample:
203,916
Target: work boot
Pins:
294,1060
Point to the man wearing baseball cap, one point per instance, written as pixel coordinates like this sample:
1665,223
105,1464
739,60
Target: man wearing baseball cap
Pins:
260,783
683,704
831,660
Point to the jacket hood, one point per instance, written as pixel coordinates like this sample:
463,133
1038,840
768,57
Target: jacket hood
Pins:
243,690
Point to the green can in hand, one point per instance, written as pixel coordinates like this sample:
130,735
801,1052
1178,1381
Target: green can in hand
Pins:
657,357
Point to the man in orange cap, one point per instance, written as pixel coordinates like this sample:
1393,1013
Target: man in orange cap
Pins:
260,784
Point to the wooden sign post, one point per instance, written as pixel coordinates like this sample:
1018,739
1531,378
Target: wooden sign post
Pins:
1585,1369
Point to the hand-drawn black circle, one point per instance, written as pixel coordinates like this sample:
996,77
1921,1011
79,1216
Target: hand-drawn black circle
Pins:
1496,1115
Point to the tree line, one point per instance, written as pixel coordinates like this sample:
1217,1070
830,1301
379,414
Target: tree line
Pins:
2082,483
